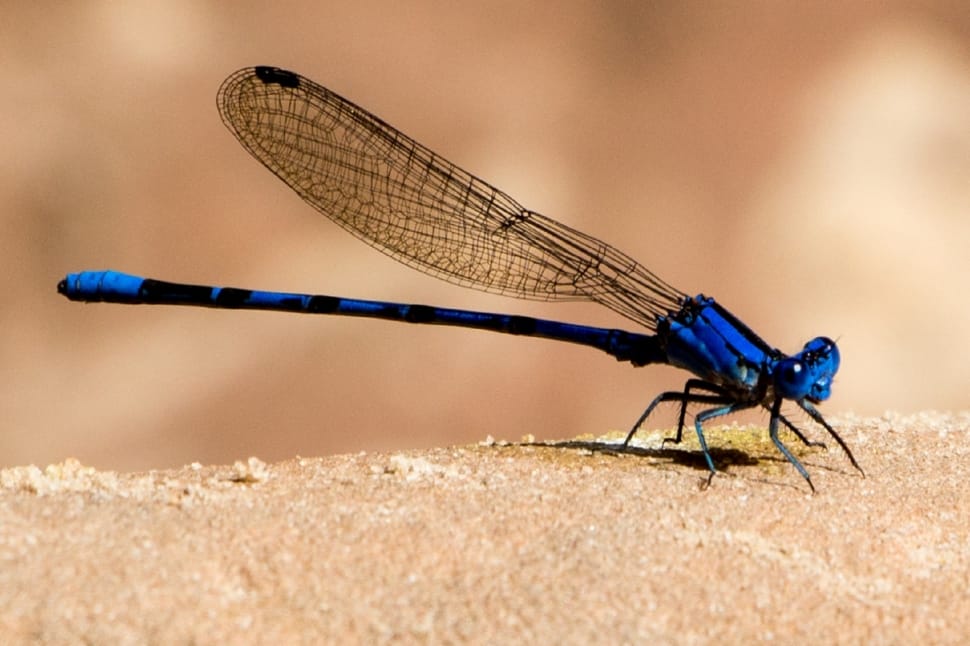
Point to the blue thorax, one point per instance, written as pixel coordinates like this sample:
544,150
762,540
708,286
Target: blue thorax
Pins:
712,343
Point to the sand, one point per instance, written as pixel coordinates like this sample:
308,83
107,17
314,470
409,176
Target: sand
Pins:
504,542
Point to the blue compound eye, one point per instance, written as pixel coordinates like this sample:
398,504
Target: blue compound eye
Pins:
822,350
792,379
808,374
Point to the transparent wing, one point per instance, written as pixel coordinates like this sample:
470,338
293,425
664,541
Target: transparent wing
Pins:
422,210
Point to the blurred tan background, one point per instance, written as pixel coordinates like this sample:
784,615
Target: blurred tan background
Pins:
806,163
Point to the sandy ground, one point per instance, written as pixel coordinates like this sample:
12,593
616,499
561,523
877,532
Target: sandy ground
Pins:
503,542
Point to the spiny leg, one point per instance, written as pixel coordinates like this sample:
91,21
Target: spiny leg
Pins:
684,398
773,433
817,416
711,413
718,397
794,429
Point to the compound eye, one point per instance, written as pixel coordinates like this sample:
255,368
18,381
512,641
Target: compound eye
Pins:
822,350
792,380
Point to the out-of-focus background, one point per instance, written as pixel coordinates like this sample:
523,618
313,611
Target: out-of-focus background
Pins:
806,163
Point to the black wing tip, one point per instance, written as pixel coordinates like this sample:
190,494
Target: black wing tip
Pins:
281,77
